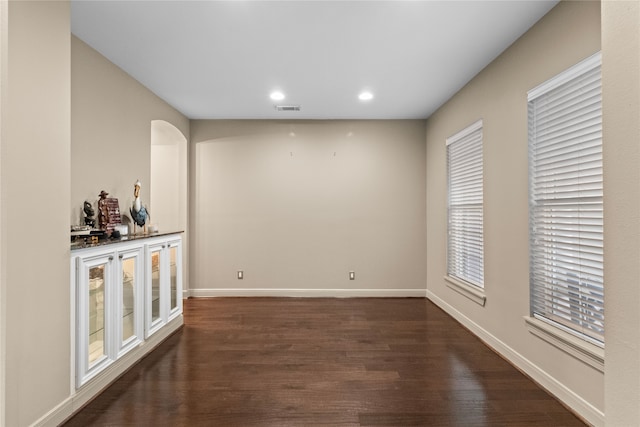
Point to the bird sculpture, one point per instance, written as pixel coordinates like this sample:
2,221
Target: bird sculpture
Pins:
139,213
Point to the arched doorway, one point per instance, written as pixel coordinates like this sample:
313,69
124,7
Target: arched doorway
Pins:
168,193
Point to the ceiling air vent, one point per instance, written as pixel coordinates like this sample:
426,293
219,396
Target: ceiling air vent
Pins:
287,108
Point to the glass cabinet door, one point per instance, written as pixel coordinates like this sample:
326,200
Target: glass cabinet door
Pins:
93,351
129,268
155,293
174,260
130,299
156,275
96,312
173,276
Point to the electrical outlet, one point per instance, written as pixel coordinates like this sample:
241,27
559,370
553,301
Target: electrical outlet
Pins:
240,274
352,275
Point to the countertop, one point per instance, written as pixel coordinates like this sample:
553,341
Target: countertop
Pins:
81,244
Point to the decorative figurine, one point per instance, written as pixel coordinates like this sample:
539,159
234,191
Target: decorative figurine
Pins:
109,212
89,212
139,213
103,210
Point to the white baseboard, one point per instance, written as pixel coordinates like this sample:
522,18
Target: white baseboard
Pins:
580,406
75,402
310,293
57,415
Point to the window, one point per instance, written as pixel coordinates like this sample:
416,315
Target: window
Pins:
465,247
565,201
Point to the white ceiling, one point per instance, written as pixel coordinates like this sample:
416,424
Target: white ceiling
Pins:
221,59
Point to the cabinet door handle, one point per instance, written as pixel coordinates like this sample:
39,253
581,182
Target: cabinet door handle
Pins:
110,258
120,256
164,246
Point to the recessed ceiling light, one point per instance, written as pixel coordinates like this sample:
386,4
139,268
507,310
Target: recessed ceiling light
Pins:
365,96
277,96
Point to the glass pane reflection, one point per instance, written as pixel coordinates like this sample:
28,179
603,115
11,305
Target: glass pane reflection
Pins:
155,285
174,277
96,313
128,285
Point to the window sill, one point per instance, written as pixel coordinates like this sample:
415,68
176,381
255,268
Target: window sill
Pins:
582,350
474,293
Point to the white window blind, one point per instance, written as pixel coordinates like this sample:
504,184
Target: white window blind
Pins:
565,201
465,246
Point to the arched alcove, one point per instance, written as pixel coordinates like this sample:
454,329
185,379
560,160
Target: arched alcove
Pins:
168,188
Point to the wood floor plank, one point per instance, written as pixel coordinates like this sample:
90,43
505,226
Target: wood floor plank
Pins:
325,362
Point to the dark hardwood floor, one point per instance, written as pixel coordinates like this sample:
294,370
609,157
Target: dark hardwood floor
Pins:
301,362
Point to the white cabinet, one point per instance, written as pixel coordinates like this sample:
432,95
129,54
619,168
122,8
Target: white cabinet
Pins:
109,297
164,283
123,293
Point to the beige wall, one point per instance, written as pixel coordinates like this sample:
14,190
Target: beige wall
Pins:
4,33
498,95
297,205
34,184
621,125
111,130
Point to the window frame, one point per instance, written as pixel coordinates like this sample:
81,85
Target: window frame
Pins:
463,275
565,312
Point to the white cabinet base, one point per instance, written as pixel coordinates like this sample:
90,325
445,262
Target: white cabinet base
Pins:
112,291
